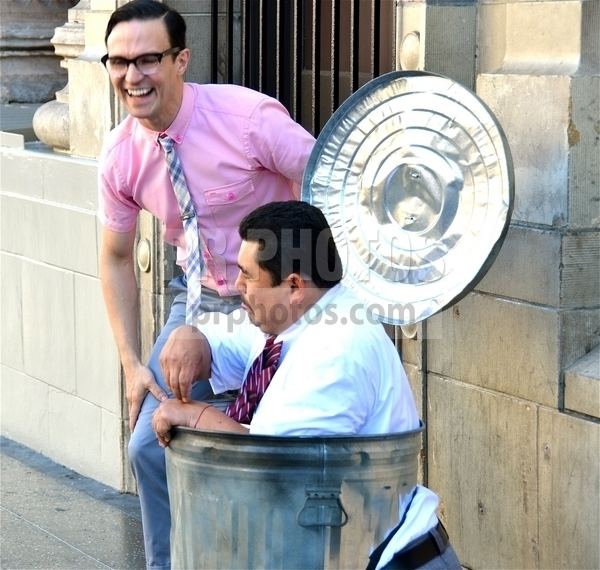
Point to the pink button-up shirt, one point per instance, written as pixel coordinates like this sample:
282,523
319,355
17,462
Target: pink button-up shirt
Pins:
238,148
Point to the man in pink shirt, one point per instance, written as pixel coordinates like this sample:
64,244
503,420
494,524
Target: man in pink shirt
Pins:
238,149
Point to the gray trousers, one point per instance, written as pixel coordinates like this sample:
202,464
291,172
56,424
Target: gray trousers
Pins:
146,457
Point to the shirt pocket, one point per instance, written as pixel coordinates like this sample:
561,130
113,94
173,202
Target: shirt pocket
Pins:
232,194
225,208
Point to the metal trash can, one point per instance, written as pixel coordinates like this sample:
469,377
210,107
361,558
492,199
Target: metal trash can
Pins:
240,501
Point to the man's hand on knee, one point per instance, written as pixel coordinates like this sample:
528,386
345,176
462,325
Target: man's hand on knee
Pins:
139,381
184,359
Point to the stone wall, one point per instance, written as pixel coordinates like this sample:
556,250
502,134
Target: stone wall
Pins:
60,386
508,378
510,375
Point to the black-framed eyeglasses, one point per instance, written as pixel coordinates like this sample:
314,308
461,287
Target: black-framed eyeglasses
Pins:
147,63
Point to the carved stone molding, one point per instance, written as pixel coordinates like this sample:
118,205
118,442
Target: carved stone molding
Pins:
51,121
30,68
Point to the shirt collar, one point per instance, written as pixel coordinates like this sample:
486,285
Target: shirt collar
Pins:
314,315
179,126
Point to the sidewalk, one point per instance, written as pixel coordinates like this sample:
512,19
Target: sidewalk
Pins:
52,517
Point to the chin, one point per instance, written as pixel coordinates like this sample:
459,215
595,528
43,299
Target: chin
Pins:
261,326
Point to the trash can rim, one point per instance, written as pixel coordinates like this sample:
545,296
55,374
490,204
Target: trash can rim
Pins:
231,436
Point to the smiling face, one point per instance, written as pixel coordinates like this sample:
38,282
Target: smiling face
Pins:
271,308
152,99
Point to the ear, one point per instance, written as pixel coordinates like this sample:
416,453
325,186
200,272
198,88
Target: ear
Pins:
297,286
182,61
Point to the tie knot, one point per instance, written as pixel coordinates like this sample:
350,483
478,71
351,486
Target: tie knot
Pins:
166,142
271,352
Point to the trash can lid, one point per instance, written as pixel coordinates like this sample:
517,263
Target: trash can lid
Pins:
415,177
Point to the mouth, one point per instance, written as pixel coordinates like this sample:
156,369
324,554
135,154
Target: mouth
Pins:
139,92
246,307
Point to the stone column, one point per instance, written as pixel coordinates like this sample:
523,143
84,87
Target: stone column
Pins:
30,71
77,123
540,74
550,109
92,112
51,121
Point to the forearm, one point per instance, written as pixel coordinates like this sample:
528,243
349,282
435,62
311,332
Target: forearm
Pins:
198,415
212,419
119,288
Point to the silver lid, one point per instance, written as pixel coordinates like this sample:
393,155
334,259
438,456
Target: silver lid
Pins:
414,175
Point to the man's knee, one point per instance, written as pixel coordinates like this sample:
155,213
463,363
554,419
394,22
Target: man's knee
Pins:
143,448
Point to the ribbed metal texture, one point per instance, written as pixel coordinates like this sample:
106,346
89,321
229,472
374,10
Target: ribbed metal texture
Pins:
415,177
282,502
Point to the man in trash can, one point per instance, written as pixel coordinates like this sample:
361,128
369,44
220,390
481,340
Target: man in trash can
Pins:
314,363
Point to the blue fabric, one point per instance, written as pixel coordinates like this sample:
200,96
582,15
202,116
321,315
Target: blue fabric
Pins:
146,457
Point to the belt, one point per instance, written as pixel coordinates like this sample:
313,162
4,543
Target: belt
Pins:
421,550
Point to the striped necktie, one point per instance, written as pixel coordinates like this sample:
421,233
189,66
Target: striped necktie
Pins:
257,381
193,240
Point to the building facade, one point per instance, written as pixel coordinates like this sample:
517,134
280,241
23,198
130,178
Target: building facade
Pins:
508,379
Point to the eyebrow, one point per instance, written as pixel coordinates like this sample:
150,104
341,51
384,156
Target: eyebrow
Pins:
156,52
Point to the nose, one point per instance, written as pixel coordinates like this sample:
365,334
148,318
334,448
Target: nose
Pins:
133,75
239,283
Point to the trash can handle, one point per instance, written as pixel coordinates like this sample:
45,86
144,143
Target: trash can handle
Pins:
322,507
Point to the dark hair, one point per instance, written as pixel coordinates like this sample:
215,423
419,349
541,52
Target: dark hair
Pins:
150,10
293,237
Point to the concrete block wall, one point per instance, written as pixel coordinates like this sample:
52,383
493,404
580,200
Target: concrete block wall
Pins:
493,403
60,389
507,378
520,486
510,375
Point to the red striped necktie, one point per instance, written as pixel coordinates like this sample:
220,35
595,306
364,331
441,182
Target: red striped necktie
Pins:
257,381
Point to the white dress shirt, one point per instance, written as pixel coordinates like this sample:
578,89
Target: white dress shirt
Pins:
339,373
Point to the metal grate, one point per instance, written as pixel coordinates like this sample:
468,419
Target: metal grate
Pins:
309,54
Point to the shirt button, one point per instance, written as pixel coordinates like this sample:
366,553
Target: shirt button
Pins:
230,196
206,255
221,282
